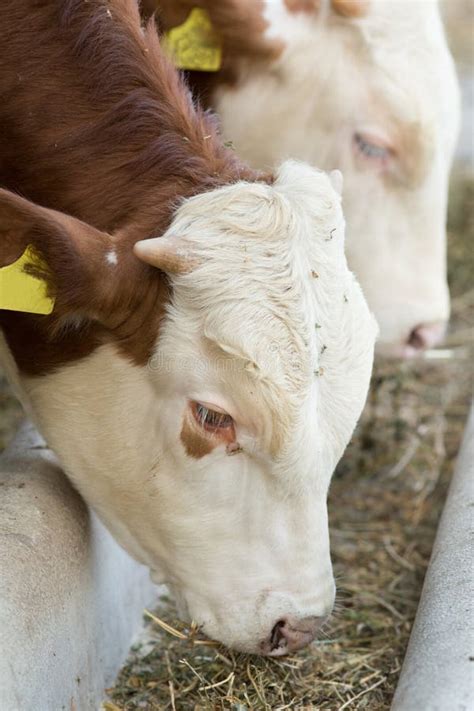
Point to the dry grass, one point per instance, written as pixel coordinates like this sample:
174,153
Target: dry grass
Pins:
385,502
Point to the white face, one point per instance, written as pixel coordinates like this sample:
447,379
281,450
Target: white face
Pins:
377,98
219,453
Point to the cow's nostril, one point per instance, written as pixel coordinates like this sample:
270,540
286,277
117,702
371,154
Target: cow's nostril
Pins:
416,340
289,635
424,336
277,635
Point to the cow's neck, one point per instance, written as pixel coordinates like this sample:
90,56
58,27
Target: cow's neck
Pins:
95,121
109,437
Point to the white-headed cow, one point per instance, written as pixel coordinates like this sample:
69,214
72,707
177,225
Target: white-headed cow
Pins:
366,86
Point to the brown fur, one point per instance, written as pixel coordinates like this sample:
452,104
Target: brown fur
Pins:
97,124
195,442
302,5
94,302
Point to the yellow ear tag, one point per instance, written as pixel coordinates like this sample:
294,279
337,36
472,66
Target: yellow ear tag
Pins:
194,45
20,291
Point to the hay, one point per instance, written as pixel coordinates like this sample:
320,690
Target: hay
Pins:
384,505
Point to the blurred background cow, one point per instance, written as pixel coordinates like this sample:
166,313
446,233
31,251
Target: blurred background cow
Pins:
366,86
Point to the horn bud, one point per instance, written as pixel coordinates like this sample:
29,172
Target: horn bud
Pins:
351,8
170,254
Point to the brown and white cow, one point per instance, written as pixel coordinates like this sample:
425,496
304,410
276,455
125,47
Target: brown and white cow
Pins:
366,86
209,351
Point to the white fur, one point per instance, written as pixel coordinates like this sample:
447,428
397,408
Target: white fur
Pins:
242,540
111,258
391,72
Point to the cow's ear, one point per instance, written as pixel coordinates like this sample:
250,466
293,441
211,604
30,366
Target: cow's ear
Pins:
74,260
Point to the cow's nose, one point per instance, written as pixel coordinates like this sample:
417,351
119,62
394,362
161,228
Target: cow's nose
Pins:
426,335
289,635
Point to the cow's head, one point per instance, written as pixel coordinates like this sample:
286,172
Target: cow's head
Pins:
211,461
367,87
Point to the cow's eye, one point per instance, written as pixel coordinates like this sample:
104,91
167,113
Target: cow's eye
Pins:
372,148
210,419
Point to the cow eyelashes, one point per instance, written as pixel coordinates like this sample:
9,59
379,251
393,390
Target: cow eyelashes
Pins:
209,419
371,149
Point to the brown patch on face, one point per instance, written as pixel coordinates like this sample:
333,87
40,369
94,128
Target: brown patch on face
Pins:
415,150
196,443
199,441
302,5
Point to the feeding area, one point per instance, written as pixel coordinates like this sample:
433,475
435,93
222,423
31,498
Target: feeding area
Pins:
185,333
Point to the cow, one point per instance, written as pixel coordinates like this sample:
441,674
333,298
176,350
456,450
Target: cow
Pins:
366,86
209,352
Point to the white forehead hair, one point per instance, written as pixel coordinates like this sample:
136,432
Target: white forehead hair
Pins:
398,48
406,44
271,285
273,209
256,246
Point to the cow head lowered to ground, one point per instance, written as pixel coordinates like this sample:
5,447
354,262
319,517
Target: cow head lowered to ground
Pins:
209,351
367,86
211,462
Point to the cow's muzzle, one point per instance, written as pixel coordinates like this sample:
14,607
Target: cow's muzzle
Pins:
290,634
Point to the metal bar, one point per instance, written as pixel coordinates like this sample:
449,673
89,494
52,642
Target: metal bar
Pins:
438,671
